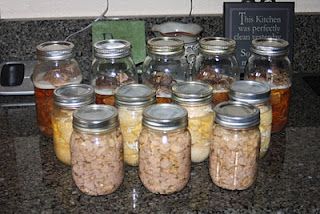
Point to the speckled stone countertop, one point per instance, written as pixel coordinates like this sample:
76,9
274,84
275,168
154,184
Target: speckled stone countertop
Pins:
32,180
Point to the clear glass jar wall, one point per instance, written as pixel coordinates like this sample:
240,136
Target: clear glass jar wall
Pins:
111,68
67,98
165,149
97,150
55,67
218,66
164,66
269,63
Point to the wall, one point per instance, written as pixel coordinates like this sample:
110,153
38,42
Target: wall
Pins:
40,9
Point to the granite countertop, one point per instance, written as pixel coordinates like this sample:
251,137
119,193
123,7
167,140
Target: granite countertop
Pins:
32,180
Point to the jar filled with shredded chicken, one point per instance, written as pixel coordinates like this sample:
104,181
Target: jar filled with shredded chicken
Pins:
164,149
96,150
131,100
67,98
196,98
235,148
257,94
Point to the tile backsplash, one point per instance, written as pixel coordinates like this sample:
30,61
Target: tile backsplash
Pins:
18,39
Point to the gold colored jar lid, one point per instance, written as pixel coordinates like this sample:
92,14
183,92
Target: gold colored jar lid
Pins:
165,46
217,45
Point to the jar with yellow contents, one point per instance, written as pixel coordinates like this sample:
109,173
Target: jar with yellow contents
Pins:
196,97
131,100
67,99
257,94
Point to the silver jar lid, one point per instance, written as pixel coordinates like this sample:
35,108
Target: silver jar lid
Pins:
135,95
73,95
192,92
55,50
252,92
217,45
238,115
269,46
165,46
112,48
165,117
95,118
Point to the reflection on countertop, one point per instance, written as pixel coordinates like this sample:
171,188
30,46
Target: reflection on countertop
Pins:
33,180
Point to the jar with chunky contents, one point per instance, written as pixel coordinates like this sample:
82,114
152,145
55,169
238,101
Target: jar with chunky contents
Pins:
96,150
55,67
164,66
218,66
111,68
131,100
164,144
235,148
269,63
67,98
257,94
196,98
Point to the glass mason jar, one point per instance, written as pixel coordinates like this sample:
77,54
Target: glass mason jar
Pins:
96,150
269,63
218,66
111,68
67,98
196,98
164,149
131,100
55,67
164,66
235,148
257,94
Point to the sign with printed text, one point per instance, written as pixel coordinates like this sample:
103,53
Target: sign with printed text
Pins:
245,21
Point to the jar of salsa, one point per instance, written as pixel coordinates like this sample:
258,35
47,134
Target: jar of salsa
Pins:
269,63
111,68
55,67
164,66
218,66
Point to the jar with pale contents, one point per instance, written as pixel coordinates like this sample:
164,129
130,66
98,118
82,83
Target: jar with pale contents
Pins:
269,63
235,148
55,67
164,149
218,66
112,67
164,66
131,100
196,98
67,98
257,94
96,150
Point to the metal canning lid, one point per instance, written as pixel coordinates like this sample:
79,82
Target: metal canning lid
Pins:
135,95
73,95
238,115
112,48
192,92
269,46
165,46
55,50
217,45
165,117
252,92
95,118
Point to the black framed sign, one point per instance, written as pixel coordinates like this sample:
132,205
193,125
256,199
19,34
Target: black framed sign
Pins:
245,21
